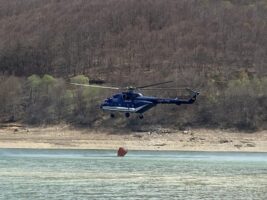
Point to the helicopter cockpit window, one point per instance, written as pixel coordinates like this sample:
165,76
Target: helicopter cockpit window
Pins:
108,100
116,96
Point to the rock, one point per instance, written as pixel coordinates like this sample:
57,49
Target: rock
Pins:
222,141
138,135
251,145
161,144
238,146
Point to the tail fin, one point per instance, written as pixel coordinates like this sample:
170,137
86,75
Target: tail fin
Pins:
194,97
191,100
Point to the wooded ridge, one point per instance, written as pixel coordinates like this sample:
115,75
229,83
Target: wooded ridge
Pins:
217,47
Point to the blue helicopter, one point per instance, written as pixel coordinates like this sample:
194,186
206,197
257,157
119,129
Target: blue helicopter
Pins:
132,101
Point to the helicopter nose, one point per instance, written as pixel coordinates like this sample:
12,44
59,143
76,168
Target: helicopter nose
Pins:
102,105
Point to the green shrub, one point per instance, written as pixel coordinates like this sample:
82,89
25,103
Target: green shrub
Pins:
81,79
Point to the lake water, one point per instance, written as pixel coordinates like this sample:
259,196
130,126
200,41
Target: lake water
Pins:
96,174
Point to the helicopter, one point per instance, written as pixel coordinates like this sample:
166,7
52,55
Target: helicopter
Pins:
130,100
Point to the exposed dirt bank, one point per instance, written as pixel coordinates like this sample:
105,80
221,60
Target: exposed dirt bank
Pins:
66,137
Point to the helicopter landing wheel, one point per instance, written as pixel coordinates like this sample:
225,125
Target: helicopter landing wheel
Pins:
141,116
127,115
112,115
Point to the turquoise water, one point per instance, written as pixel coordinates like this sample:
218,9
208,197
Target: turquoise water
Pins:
96,174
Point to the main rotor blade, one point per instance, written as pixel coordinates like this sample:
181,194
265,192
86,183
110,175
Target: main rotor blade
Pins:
96,86
164,89
155,84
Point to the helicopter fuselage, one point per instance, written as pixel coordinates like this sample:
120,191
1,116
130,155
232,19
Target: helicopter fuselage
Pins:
133,102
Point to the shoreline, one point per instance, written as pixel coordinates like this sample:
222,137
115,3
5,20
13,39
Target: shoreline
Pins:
66,137
132,150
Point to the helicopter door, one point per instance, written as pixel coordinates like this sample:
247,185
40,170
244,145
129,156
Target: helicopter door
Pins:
127,101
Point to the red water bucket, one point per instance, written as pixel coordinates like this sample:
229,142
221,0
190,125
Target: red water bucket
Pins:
122,152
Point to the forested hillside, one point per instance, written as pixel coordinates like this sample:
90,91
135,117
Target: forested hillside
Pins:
217,47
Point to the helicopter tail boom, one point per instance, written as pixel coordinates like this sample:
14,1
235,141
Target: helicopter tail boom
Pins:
178,101
191,100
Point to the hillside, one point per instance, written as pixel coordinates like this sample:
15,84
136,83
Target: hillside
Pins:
217,47
69,37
